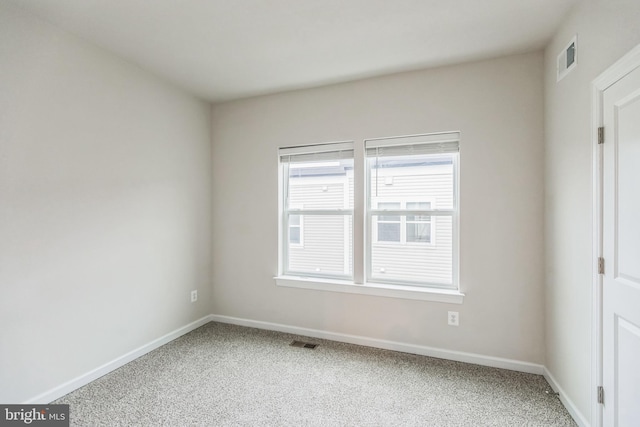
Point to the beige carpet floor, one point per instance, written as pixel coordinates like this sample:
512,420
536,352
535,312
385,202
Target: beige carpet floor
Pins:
225,375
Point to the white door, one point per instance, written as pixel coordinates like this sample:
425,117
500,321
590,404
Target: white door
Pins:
621,250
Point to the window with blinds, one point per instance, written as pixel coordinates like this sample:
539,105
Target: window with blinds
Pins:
411,218
408,221
317,190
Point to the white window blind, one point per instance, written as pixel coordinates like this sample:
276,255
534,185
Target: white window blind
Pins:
317,153
405,146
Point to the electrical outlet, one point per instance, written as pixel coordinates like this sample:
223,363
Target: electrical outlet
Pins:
453,318
194,296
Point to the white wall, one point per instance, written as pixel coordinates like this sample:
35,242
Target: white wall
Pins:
105,180
498,106
606,31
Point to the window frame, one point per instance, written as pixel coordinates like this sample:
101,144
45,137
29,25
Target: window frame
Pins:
360,281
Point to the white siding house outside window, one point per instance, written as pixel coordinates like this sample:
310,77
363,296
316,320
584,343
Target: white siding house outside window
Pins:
408,216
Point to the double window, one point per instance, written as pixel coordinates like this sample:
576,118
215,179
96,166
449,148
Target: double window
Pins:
386,216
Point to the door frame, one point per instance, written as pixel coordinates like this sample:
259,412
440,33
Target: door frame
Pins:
611,75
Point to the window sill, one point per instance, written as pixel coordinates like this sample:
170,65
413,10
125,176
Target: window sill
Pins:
390,291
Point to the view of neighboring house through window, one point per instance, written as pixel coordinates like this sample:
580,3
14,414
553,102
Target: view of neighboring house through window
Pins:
410,218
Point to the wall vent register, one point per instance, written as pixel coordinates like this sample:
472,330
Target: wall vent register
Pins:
567,59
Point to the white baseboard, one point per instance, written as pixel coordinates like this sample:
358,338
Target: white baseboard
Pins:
478,359
568,403
96,373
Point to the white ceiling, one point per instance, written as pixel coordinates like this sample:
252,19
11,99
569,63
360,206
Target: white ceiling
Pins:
227,49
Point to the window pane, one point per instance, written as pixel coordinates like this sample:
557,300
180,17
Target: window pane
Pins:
388,232
429,264
419,232
320,245
294,235
423,253
389,206
327,246
418,206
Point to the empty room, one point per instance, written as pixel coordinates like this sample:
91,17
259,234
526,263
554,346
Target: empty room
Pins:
320,212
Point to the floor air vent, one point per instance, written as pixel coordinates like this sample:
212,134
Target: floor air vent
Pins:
303,344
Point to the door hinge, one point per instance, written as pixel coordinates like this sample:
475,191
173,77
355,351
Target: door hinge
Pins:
601,135
600,395
600,265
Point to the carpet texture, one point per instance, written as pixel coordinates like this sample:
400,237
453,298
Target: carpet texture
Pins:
226,375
